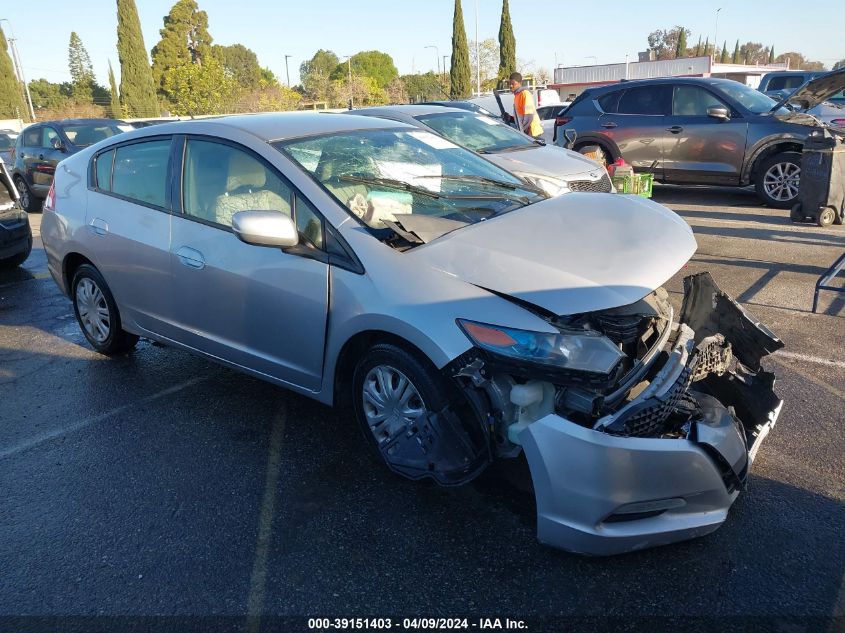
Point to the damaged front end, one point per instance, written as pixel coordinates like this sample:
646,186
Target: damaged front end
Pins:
652,448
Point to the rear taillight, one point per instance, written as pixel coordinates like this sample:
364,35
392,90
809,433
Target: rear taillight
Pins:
50,200
562,120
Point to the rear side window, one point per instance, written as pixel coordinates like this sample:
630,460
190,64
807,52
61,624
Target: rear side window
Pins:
140,172
609,102
32,137
786,82
693,101
103,167
652,100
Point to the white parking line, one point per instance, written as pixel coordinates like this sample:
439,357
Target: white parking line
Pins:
258,579
67,430
811,359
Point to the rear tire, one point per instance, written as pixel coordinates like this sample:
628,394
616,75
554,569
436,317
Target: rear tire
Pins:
600,156
826,216
777,180
97,314
29,202
16,260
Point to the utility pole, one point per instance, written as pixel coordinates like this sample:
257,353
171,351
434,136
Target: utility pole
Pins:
287,72
349,78
443,79
477,57
716,34
16,61
437,54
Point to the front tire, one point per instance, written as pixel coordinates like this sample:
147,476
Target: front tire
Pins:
29,202
777,180
97,314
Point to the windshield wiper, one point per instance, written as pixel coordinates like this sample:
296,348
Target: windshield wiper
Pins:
508,148
489,181
406,186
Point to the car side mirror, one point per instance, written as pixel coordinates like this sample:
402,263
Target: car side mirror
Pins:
56,143
265,228
719,113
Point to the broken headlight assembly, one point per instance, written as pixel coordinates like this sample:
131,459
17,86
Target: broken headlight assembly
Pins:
574,351
552,186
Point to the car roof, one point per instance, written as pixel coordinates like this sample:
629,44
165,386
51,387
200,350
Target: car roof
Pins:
696,81
78,122
270,126
410,110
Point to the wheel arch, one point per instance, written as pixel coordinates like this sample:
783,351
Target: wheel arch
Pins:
596,139
764,152
70,264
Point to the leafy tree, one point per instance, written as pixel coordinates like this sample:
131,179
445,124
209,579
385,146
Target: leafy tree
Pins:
681,46
735,58
11,98
489,56
137,90
507,44
706,50
81,69
115,111
423,87
269,97
839,64
798,62
664,43
459,72
395,92
199,88
724,57
46,94
184,40
314,74
363,91
374,64
241,64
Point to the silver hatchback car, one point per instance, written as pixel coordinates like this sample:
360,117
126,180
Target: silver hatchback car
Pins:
459,314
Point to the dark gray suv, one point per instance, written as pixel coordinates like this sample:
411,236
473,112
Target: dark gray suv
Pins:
696,131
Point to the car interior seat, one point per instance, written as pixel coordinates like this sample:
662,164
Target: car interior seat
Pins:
247,190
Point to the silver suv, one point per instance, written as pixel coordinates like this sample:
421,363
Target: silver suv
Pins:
456,312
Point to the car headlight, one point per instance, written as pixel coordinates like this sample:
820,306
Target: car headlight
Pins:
581,351
552,186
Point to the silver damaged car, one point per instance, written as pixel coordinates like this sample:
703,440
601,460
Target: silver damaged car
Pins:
460,314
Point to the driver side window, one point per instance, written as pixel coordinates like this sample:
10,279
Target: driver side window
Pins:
221,180
47,136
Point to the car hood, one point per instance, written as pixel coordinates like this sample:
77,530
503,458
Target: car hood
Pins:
546,160
570,254
812,93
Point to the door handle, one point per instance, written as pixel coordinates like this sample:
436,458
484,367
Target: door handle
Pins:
609,125
190,257
99,227
41,157
675,129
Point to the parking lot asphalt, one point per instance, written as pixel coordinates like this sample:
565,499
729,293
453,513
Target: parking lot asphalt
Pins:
162,484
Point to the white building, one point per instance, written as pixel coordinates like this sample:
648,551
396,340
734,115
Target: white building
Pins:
573,80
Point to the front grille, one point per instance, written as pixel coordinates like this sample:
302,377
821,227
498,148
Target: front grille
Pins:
602,185
622,328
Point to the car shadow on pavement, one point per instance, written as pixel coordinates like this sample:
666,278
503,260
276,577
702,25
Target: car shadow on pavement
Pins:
774,235
739,216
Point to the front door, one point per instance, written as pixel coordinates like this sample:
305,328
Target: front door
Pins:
256,307
44,160
635,122
700,148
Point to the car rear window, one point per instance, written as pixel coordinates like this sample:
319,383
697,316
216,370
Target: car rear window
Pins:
786,82
651,100
85,135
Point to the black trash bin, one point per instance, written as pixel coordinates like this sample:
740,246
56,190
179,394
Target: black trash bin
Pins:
821,195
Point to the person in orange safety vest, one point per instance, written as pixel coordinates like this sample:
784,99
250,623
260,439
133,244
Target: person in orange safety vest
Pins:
525,111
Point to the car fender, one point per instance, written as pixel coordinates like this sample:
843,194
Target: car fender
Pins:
765,146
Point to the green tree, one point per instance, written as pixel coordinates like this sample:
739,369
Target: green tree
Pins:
423,87
137,90
46,94
81,69
115,111
11,97
724,58
698,48
374,64
203,88
771,59
706,50
798,62
315,72
735,58
488,57
241,64
681,46
184,40
459,72
664,43
507,44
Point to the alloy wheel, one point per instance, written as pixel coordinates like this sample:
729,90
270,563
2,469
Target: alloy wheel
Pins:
781,181
93,310
23,192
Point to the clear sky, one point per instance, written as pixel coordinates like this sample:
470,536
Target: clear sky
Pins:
566,32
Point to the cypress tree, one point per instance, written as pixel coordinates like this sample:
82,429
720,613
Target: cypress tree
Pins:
184,40
137,92
459,72
81,70
772,54
11,99
681,48
724,58
707,47
115,111
735,58
507,44
698,47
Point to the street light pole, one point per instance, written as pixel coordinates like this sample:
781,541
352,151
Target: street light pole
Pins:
437,53
349,78
477,56
444,72
16,60
287,72
716,34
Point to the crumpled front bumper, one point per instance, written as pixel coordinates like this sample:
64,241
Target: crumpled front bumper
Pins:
601,494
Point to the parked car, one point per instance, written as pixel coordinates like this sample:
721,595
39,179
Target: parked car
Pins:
552,168
548,116
7,144
42,145
459,314
461,105
781,83
15,232
700,131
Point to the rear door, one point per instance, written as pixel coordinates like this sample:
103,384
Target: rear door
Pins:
700,148
30,146
257,307
635,120
45,158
